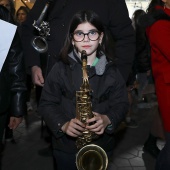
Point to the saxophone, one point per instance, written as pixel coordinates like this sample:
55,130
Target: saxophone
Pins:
89,156
39,42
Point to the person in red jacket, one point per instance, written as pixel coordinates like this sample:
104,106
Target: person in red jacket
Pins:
158,17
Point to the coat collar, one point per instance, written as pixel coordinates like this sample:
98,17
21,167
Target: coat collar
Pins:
150,18
99,68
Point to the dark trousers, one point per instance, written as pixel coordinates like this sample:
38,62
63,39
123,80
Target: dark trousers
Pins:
38,93
163,160
66,161
29,87
3,119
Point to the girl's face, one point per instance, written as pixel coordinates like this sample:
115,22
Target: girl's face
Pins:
5,3
21,16
86,37
167,3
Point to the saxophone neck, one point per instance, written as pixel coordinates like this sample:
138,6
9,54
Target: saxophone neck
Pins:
85,84
85,75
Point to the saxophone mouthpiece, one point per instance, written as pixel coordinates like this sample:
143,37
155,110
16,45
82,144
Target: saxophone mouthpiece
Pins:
83,55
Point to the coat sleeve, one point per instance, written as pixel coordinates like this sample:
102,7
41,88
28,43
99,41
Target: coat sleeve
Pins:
118,102
124,35
50,102
17,78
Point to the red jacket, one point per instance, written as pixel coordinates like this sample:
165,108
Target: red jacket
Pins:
159,37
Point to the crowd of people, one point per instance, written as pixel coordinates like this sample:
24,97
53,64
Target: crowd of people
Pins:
122,55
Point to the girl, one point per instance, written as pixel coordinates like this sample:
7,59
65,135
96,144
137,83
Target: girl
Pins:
109,96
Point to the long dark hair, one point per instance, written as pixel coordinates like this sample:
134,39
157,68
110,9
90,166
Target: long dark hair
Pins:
23,8
92,18
12,7
152,5
136,17
6,15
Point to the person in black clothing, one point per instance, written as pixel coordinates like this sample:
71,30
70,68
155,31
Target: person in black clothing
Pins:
21,15
142,63
141,68
9,4
109,96
114,15
12,82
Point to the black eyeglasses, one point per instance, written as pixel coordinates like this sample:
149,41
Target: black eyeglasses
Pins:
79,36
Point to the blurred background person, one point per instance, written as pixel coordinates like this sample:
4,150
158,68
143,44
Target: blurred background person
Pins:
21,16
140,72
142,64
9,4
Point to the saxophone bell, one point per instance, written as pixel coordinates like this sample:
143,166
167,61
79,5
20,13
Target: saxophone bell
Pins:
40,44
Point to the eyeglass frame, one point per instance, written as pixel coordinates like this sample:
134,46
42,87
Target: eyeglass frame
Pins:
72,35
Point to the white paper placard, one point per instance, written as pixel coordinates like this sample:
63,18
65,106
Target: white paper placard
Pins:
7,32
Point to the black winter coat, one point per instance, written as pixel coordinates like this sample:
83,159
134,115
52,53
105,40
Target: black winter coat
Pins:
58,101
113,13
12,81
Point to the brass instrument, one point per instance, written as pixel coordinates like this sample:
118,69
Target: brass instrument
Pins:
39,42
90,156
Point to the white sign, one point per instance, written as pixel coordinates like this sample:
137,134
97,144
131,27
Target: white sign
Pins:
7,32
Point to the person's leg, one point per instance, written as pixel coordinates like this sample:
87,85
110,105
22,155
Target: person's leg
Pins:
157,126
163,160
131,123
8,131
64,160
143,82
156,132
29,88
38,91
2,128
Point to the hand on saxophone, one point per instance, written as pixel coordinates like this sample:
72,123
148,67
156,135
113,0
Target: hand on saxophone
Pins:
73,128
100,123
